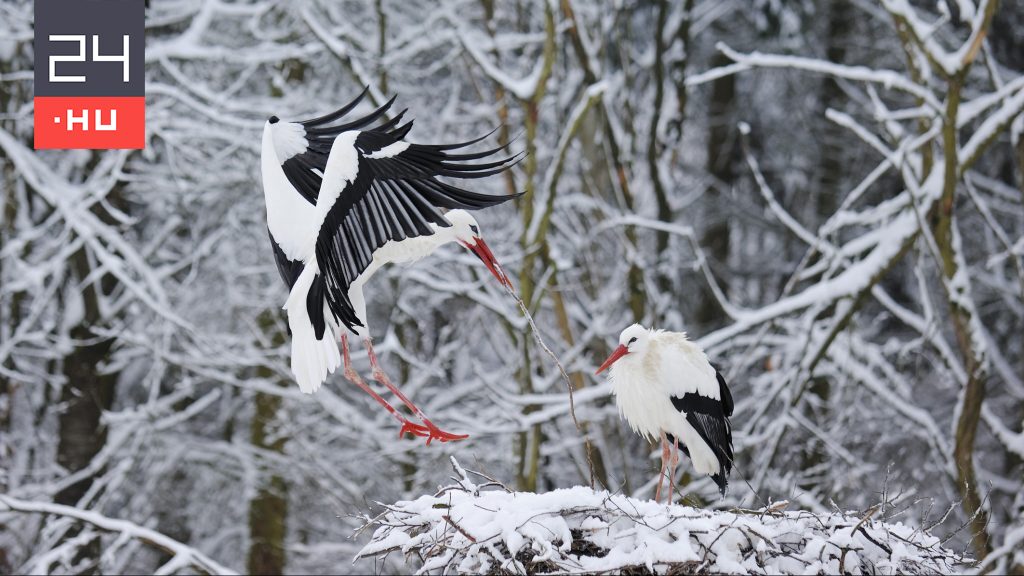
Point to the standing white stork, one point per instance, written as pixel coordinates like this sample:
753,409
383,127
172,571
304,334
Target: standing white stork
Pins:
352,201
666,388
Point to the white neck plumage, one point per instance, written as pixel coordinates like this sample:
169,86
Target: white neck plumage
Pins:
442,235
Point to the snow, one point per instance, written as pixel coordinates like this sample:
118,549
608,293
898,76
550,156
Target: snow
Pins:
887,78
182,556
342,52
992,127
971,109
469,528
521,88
8,46
593,93
110,247
950,63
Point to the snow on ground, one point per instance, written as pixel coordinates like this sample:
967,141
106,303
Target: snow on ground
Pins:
470,528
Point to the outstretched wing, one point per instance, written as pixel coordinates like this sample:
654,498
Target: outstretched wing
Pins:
305,168
394,195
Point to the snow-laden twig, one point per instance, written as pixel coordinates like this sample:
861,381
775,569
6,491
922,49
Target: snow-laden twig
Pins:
183,556
887,78
949,63
522,88
341,51
990,129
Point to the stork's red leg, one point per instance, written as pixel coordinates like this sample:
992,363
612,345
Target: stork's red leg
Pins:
380,376
672,467
664,460
353,377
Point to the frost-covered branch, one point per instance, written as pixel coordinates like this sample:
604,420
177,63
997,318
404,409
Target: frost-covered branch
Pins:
182,556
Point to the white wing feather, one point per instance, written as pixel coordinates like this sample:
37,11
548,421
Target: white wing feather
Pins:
291,219
684,368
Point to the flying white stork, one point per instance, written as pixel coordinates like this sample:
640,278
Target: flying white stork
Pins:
341,203
666,388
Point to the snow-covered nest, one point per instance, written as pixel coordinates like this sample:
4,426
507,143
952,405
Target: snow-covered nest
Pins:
468,528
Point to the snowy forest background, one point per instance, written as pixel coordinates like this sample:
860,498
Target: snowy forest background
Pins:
827,195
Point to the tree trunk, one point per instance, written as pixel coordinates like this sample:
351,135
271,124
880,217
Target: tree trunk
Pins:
635,276
529,442
653,145
88,391
86,394
958,291
826,193
722,154
268,511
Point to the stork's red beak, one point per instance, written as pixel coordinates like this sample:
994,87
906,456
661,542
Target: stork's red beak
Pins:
618,353
487,257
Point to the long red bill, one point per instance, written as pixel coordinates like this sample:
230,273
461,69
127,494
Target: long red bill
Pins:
483,252
618,353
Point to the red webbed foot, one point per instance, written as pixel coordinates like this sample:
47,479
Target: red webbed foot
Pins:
436,433
414,429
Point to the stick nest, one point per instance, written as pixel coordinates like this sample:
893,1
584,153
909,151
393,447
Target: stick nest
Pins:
478,526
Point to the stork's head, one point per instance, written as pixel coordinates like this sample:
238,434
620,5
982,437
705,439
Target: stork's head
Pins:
467,233
633,341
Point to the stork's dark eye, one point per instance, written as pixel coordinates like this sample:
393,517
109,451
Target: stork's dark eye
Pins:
274,119
631,340
474,229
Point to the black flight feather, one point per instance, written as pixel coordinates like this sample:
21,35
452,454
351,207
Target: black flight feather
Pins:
288,269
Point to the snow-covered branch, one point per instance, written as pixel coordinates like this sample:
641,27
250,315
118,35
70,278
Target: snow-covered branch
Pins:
182,556
885,78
